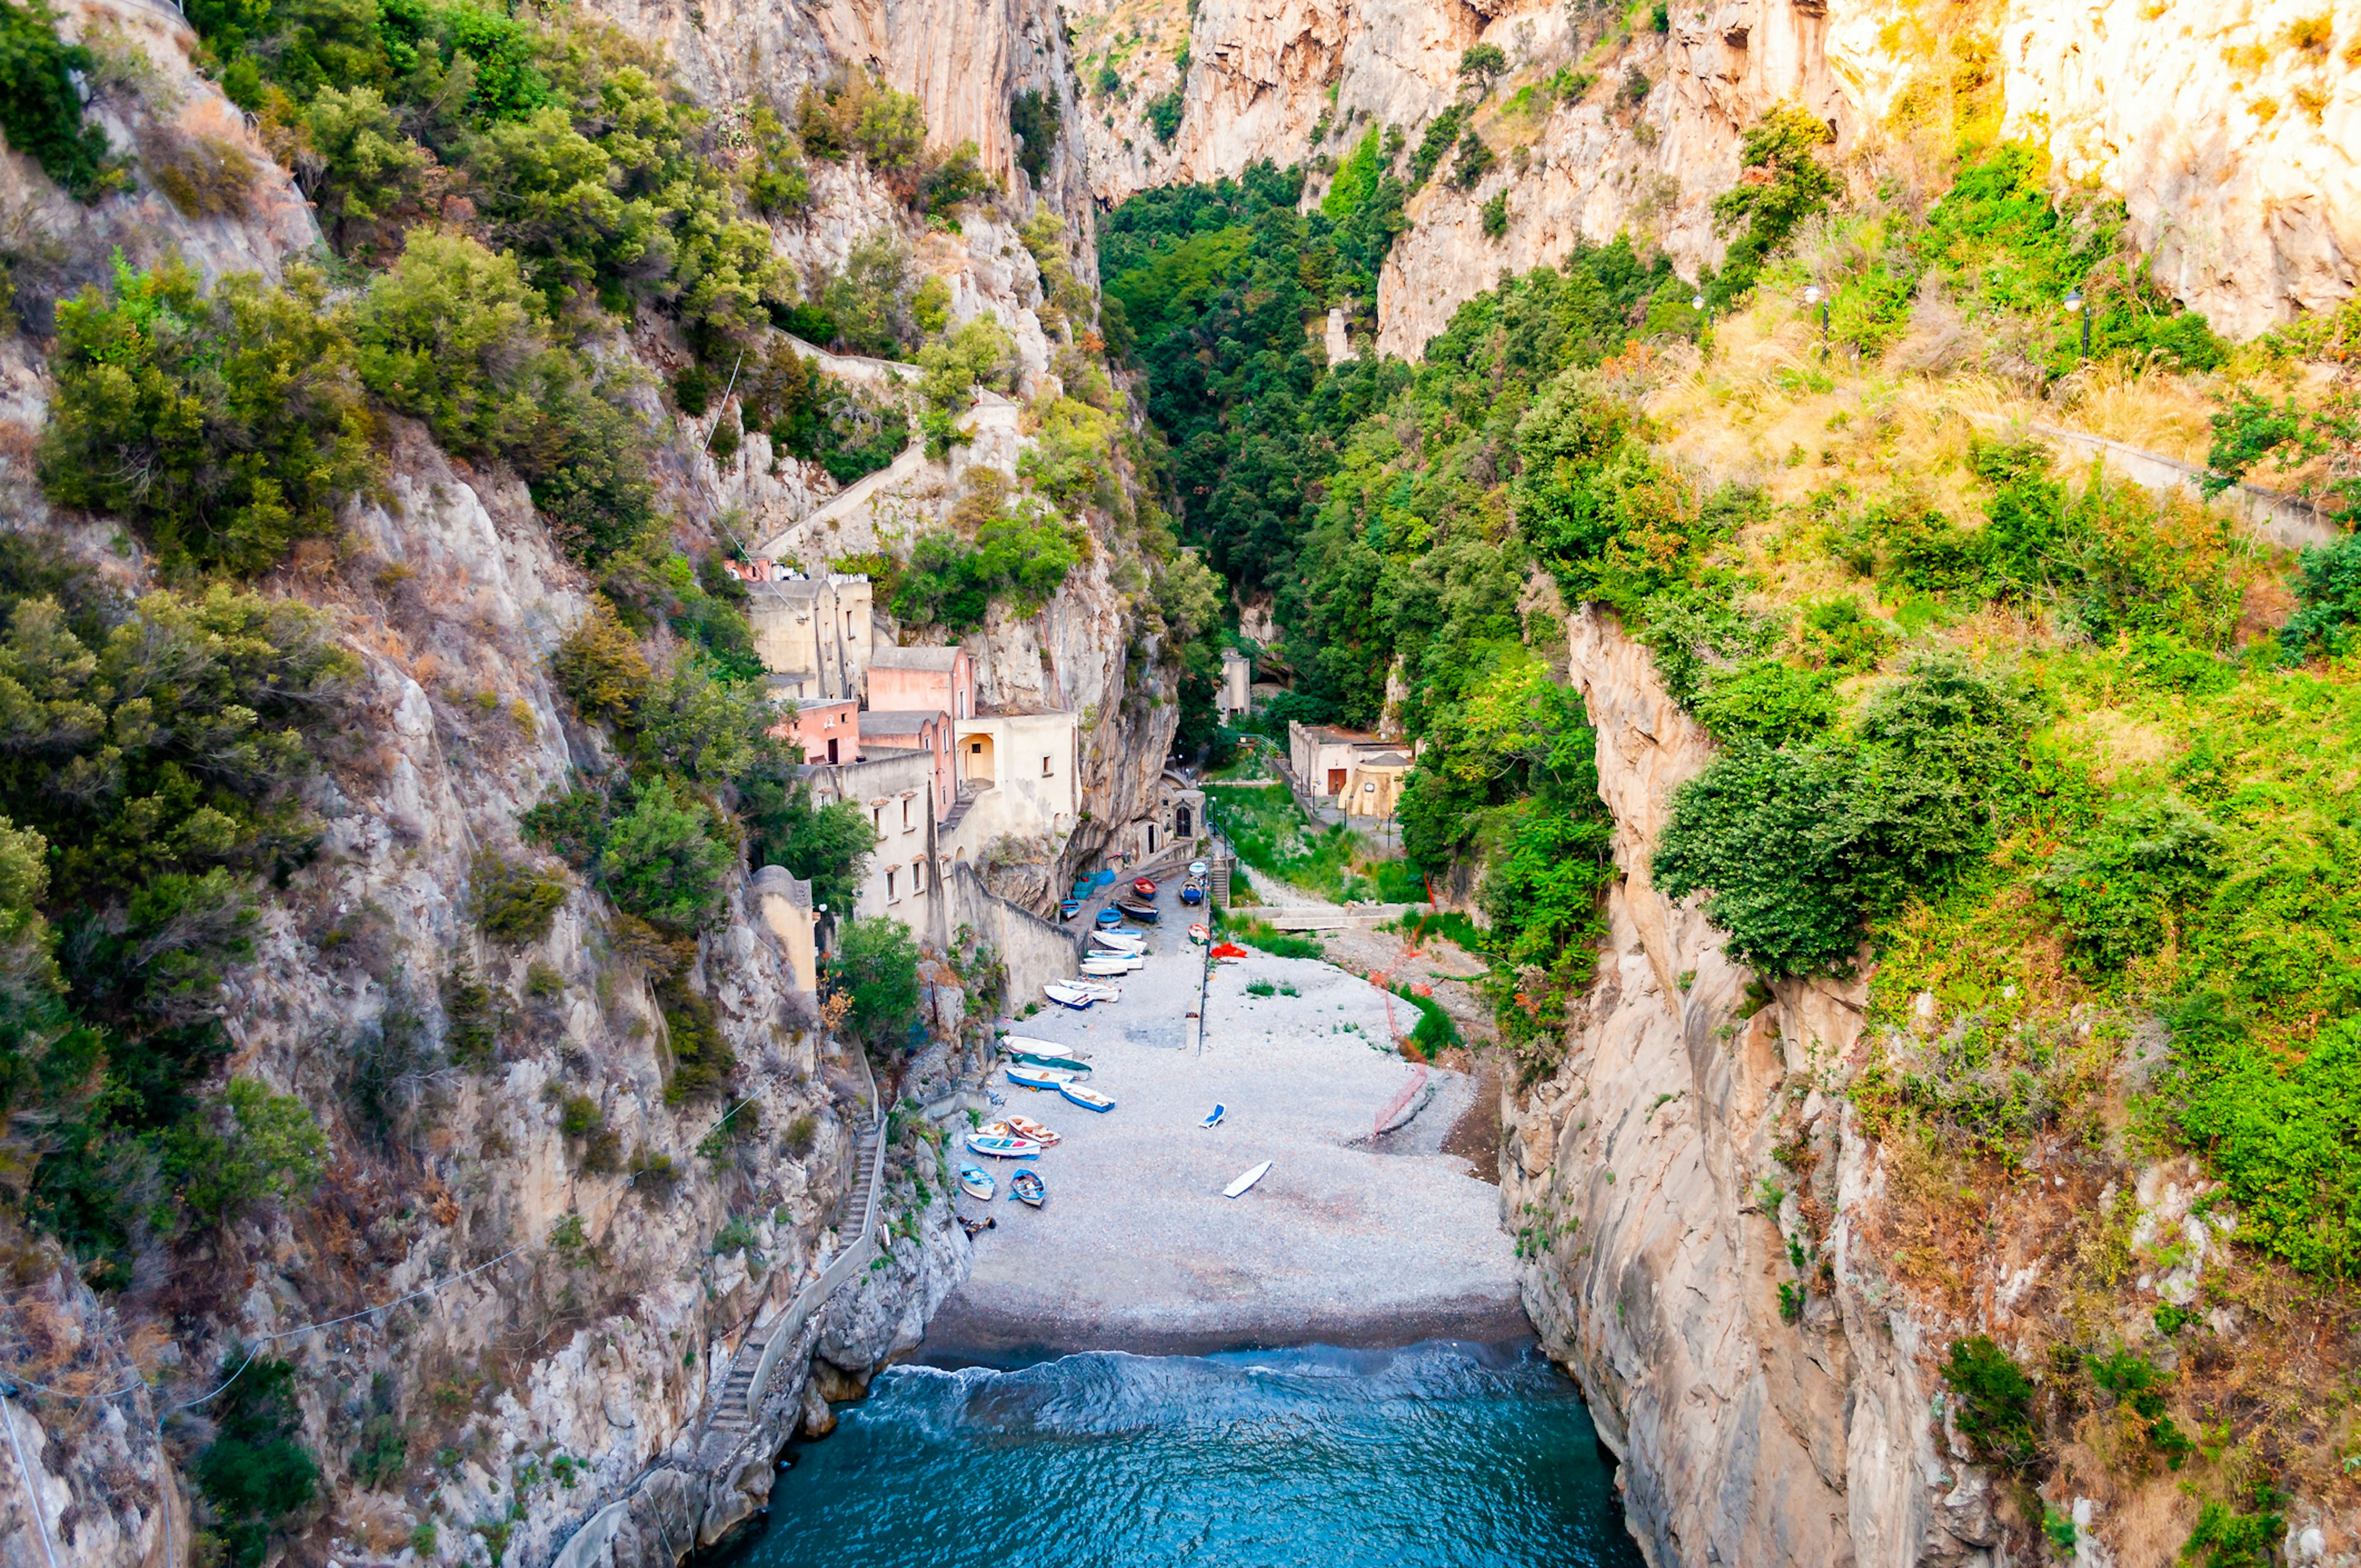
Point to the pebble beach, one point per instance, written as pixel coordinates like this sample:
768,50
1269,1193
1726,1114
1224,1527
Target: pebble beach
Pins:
1349,1240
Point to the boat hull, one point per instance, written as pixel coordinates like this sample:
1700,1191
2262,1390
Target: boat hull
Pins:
1239,1188
1002,1149
1025,1077
1088,1099
1032,1193
1146,914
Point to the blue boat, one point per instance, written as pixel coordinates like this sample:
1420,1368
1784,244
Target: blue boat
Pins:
976,1182
1027,1187
1069,907
1191,893
1088,1099
1109,918
1025,1076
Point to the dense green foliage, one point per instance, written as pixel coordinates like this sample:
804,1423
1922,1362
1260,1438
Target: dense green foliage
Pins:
41,103
256,1475
157,752
1992,1403
876,965
223,427
1033,115
1000,549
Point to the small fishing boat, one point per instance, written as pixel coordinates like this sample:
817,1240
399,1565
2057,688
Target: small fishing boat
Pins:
1144,886
1198,869
1088,1099
1024,1075
1213,1117
1002,1149
1248,1179
1042,1053
1068,996
976,1182
1027,1187
1119,941
1109,917
1069,907
1199,934
1146,914
1096,990
1112,963
1025,1127
1192,892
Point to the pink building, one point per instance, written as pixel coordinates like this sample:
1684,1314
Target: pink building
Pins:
925,680
828,731
914,730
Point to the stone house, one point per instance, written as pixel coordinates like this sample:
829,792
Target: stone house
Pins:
814,635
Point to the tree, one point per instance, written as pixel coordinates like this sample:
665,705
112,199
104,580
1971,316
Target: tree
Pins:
1784,184
1033,115
222,427
255,1474
876,966
41,106
665,859
1482,65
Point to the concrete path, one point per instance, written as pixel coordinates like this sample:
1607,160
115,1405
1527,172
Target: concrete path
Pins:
1342,1243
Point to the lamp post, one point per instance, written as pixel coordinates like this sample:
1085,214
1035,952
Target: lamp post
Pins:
2074,303
1816,295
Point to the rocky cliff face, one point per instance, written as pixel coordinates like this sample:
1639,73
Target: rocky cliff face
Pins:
2229,130
1664,1181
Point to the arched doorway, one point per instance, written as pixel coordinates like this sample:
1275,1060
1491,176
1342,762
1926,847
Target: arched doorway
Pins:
1181,821
976,759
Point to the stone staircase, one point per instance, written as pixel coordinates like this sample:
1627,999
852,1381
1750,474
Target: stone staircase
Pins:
970,791
732,1418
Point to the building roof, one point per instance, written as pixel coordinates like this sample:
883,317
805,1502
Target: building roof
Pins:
1329,735
939,660
1386,759
884,722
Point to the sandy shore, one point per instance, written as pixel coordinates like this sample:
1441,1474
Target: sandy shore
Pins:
1347,1241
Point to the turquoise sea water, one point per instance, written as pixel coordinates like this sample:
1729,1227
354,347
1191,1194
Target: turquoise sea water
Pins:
1441,1456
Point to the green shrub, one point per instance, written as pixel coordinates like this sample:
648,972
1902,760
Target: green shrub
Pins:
665,859
1495,216
868,299
1474,159
599,668
1442,134
471,1018
250,1147
256,1475
1164,113
2226,1537
516,901
876,965
40,106
1033,115
1019,555
2328,600
777,184
957,178
1250,932
1482,65
2113,888
1801,847
1767,702
1796,185
810,414
1992,1404
371,174
222,427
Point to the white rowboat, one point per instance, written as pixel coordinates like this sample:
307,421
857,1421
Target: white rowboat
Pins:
1248,1179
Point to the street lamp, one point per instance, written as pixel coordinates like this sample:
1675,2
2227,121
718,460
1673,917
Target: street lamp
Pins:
1816,295
2075,304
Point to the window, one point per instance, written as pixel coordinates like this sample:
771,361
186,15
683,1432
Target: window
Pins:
975,749
877,818
906,814
889,887
1045,767
918,876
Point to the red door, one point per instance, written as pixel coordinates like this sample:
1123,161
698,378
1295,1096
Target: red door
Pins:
1335,781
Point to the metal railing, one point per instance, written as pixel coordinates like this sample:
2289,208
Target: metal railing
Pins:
854,1257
